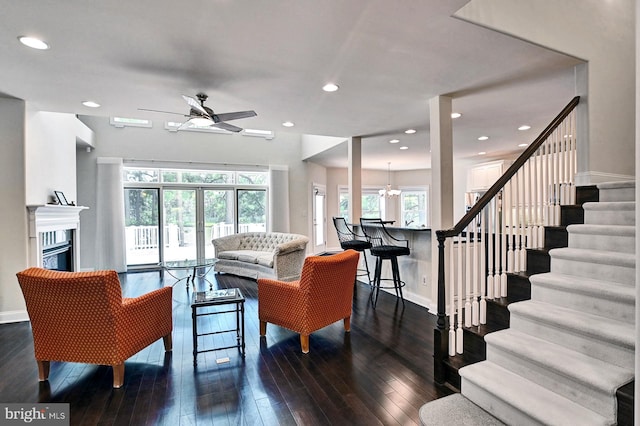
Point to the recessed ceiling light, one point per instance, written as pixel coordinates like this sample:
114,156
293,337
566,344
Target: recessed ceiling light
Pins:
410,131
330,87
404,147
524,127
394,141
34,43
481,153
91,104
483,138
456,115
522,145
288,124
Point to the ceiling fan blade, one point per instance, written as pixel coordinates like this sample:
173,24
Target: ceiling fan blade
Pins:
184,125
195,105
164,112
227,116
227,126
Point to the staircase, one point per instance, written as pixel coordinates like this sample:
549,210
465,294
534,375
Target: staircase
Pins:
571,347
519,288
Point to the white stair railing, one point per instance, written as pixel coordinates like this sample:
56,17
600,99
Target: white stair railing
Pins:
491,240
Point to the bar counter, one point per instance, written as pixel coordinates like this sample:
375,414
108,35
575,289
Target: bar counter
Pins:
415,269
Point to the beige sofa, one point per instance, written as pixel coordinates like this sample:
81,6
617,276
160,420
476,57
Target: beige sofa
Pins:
261,255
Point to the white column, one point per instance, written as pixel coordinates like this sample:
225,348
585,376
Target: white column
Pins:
355,178
441,205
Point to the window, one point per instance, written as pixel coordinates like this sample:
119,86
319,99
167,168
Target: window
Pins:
173,214
373,204
414,207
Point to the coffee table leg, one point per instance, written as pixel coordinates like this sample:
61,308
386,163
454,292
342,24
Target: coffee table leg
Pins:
242,319
195,336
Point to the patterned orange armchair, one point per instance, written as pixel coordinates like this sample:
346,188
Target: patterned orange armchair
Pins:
322,296
82,317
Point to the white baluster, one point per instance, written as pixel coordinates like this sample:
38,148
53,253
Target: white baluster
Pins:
467,273
515,188
475,306
560,148
556,178
533,202
539,199
573,157
483,241
452,300
509,226
507,240
459,332
523,222
490,247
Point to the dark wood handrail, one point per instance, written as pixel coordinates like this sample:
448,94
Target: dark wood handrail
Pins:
511,171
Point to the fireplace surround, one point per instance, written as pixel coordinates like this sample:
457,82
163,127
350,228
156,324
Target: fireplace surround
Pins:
54,231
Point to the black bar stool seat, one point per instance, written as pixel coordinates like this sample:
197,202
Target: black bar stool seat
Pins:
384,246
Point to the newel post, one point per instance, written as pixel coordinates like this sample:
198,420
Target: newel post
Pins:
440,334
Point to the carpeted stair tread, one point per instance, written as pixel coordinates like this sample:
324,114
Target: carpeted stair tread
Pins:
617,184
615,230
617,191
455,410
590,382
615,332
516,400
602,206
587,286
614,238
626,260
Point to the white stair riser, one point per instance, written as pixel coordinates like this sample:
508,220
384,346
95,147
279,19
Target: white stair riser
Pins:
614,273
617,194
597,348
615,243
610,217
622,310
576,391
495,405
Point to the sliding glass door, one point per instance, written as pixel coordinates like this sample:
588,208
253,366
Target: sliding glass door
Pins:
174,214
142,230
179,224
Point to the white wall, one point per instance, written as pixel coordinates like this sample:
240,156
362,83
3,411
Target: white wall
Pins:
158,144
601,32
12,209
38,157
50,149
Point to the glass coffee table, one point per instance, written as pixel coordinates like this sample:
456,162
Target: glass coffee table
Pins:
192,266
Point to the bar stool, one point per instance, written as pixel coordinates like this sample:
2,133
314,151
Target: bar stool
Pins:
350,239
384,246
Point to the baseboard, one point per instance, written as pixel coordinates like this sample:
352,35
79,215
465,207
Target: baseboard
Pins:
592,178
13,316
425,302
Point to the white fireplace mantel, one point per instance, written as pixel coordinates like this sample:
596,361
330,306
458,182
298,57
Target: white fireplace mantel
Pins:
51,217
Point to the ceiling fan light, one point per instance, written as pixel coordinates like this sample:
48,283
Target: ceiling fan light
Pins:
201,121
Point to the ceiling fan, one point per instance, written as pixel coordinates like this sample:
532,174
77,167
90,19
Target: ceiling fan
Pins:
202,116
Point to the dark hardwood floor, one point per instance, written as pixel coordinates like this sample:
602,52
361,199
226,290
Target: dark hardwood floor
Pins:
379,373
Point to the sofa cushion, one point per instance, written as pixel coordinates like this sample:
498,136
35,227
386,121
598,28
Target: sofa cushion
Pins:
265,259
249,256
229,254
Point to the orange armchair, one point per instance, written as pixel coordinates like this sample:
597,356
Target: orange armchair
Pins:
322,296
82,317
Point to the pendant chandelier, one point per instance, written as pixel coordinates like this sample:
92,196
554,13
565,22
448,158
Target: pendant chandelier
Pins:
388,192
